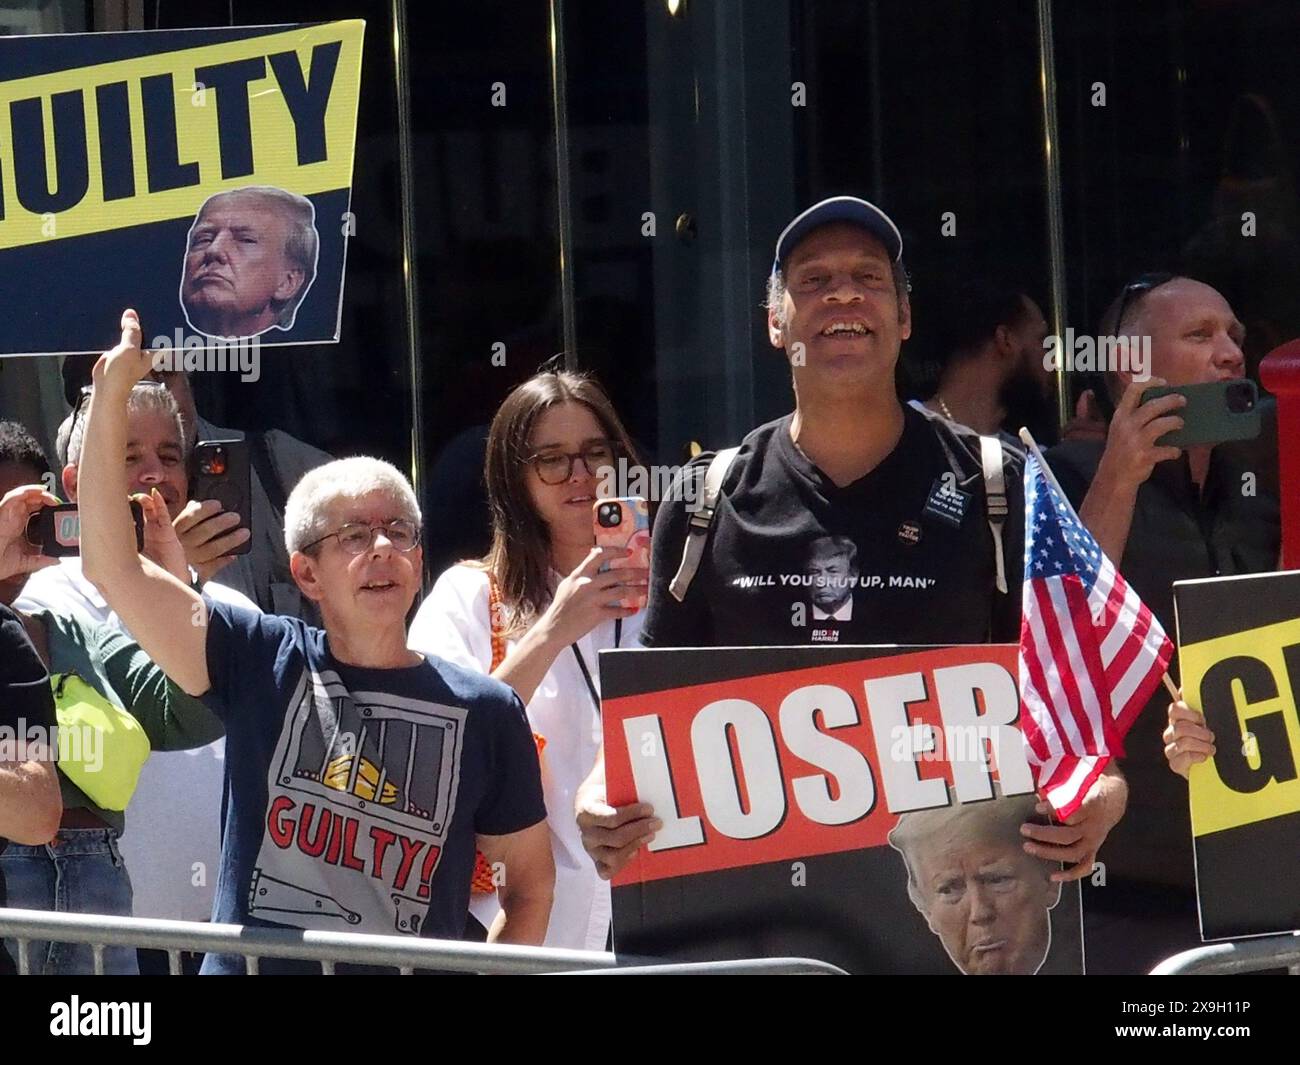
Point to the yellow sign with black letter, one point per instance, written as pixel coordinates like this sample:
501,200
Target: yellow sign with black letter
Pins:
201,176
1239,649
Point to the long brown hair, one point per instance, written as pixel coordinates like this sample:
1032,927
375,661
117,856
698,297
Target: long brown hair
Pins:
520,555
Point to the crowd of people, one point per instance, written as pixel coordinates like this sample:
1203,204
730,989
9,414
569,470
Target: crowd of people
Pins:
314,761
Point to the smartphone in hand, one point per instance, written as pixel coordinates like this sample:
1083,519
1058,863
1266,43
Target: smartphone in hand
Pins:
57,530
1216,412
624,522
220,470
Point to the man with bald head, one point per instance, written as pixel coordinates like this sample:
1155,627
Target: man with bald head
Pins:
969,876
1165,514
249,261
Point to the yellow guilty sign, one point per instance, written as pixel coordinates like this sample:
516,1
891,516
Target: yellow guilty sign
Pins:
1244,683
148,139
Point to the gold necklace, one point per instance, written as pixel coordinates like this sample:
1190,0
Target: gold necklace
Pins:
944,407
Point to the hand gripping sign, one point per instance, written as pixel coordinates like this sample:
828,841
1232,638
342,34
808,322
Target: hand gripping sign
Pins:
858,805
201,176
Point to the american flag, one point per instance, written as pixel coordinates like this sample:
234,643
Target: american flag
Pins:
1091,652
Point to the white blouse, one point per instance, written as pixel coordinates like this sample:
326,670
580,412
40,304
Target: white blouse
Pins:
453,623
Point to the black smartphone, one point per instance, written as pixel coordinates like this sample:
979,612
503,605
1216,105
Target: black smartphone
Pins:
57,530
220,470
1216,412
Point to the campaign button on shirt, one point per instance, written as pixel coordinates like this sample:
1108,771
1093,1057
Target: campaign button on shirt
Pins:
793,557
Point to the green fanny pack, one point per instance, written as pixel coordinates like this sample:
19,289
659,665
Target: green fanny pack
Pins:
102,748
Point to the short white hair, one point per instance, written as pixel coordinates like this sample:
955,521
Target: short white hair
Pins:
306,514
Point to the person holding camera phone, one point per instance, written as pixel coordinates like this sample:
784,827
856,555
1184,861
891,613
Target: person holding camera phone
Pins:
392,741
176,832
1162,514
537,610
269,463
84,868
30,805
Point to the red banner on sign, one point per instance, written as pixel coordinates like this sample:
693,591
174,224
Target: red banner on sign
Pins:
812,761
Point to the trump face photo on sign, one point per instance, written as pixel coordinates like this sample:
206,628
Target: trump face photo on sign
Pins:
250,259
968,875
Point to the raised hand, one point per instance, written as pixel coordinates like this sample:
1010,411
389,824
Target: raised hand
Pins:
127,363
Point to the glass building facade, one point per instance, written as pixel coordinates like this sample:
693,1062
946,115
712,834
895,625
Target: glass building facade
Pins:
606,181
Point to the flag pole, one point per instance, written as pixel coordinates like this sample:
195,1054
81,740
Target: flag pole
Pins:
1027,438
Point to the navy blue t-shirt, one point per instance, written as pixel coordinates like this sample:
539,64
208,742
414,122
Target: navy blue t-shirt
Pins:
354,795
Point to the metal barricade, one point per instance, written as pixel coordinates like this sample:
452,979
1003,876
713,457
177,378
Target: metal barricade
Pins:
1248,955
745,967
329,949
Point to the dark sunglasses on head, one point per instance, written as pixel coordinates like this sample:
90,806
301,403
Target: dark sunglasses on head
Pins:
83,397
1136,289
1129,296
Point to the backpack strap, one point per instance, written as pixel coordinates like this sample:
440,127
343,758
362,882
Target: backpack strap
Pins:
995,490
697,533
995,501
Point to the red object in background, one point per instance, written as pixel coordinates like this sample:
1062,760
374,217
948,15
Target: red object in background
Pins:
1279,372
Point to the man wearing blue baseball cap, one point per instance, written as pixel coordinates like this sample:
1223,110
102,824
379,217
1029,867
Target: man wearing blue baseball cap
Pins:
933,509
851,461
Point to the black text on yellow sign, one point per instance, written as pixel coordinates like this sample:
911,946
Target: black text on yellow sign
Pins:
148,139
1245,683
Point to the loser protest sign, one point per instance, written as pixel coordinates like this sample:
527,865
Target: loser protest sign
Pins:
857,805
1239,649
200,176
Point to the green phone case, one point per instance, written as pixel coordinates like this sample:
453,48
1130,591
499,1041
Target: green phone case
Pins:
1208,417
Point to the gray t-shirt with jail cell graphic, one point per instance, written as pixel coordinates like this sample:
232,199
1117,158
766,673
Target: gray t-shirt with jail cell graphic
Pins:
354,795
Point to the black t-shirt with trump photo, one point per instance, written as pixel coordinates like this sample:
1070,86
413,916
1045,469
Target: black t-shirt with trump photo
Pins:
25,702
903,555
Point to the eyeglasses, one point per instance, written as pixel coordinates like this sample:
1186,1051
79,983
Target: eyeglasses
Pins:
356,537
556,467
1135,290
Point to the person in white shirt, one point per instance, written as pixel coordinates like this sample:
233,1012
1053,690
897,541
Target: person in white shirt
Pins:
173,846
541,598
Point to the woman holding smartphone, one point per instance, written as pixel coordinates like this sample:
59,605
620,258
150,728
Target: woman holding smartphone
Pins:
536,611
